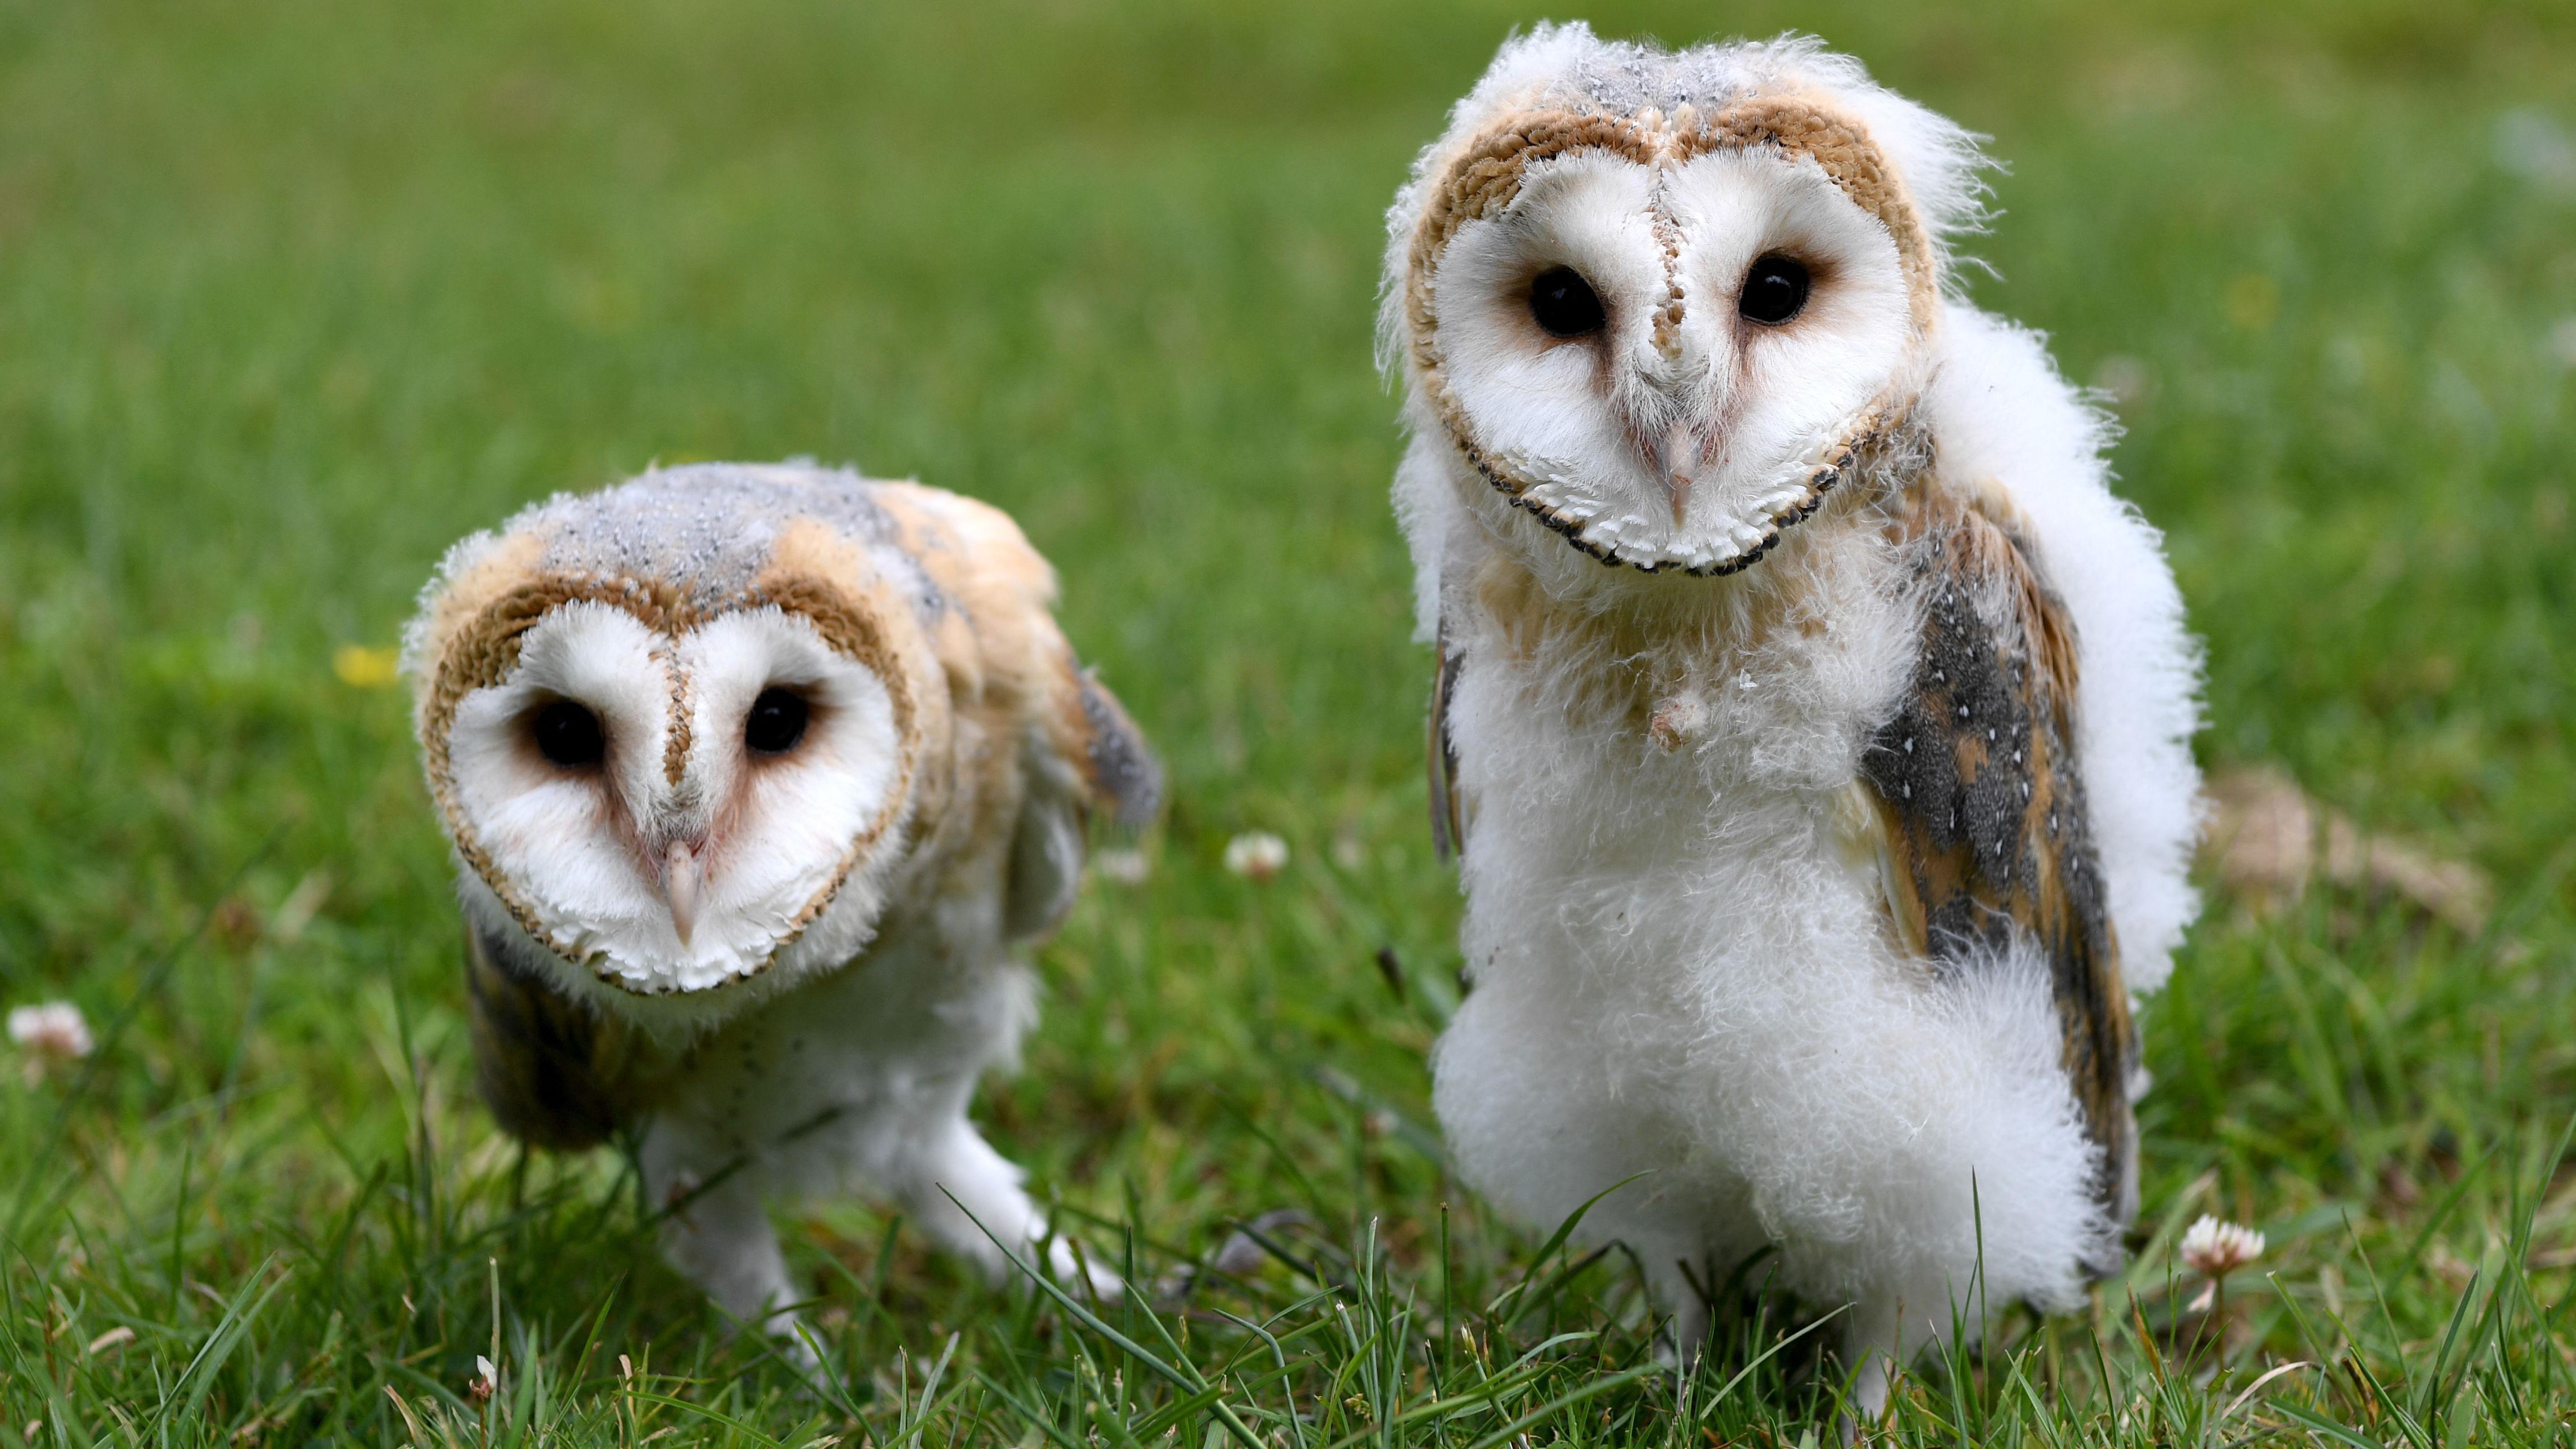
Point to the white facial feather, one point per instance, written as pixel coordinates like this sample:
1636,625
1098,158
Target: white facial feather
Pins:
1541,401
570,839
780,828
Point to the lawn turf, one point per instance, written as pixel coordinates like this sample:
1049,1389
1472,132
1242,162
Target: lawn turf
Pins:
291,296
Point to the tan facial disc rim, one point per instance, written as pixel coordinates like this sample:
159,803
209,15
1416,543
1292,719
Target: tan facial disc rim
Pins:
1488,176
485,650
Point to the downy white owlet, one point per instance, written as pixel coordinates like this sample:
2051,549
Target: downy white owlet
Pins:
756,777
1811,718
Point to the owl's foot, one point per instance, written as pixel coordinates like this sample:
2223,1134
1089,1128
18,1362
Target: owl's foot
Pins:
1689,1332
1868,1400
967,1197
1873,1341
719,1238
795,1342
1079,1269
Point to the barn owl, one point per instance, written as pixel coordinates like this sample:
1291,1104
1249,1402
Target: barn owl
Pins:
1811,720
755,777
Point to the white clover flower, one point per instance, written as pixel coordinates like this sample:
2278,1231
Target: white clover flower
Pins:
50,1033
1125,867
1256,855
2215,1249
2534,147
2123,379
487,1380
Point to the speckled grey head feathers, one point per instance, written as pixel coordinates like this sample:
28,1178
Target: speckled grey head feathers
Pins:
708,528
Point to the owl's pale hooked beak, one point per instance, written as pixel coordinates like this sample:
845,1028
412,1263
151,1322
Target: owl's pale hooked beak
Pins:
1676,460
682,876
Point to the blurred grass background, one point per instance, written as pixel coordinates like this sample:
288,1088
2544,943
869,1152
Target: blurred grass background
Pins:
291,296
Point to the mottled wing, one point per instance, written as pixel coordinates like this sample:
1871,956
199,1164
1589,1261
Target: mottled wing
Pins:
1981,802
1441,757
554,1073
1110,769
1121,767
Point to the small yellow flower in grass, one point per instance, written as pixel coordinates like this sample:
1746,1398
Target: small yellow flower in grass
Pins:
2215,1249
2253,301
1256,855
486,1381
360,667
50,1033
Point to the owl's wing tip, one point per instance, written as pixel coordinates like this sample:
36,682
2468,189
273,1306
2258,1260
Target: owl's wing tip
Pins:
1122,768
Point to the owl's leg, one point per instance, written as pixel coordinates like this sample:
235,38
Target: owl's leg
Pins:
967,1196
719,1237
1872,1344
1690,1333
1672,1281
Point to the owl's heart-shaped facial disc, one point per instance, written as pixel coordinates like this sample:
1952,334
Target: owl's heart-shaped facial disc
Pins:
666,810
1658,357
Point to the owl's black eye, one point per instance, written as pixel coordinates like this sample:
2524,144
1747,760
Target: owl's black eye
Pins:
569,735
1565,304
1774,291
776,723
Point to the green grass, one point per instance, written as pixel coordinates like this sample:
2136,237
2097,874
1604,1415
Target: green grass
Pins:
293,295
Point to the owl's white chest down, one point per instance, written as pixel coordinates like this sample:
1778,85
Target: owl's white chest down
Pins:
823,1088
1682,968
856,1080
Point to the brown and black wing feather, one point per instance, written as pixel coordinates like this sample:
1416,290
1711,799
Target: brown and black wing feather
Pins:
1101,763
1441,757
1982,800
555,1074
1121,767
